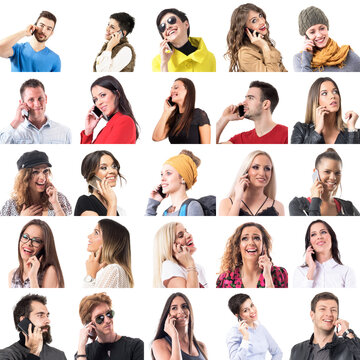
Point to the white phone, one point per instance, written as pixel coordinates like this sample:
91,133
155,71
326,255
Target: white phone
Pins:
25,113
315,175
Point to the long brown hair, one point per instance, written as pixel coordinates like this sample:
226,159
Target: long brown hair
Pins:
177,122
160,332
237,36
49,257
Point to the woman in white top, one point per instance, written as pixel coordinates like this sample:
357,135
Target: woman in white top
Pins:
109,264
323,267
174,266
117,54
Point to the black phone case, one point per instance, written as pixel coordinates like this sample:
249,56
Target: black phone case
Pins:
23,325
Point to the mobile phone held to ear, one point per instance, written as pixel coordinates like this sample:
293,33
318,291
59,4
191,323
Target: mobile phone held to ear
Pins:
96,112
23,325
239,318
160,191
168,49
25,113
93,180
241,110
251,30
315,175
170,102
40,253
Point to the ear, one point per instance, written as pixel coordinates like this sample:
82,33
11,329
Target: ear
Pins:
183,181
22,318
312,315
186,24
266,104
124,32
45,99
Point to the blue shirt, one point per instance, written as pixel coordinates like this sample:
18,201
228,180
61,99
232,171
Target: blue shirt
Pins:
26,133
26,59
260,341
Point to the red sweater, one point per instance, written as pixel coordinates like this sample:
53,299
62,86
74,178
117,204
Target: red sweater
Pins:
120,129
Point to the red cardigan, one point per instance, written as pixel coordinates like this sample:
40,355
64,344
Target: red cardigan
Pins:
120,129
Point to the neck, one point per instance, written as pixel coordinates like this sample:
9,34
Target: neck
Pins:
253,193
108,338
321,257
178,197
180,42
35,196
250,268
38,122
322,338
183,334
326,196
181,108
36,45
264,123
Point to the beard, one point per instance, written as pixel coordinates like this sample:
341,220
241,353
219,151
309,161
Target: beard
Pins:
46,335
40,40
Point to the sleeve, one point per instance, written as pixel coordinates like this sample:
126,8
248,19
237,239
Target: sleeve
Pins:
16,49
57,64
220,280
138,350
82,204
355,211
297,208
299,135
156,63
350,278
353,137
302,62
122,132
314,208
170,270
6,135
279,276
65,204
84,139
68,138
300,279
152,207
195,209
354,347
253,61
110,277
9,209
237,347
274,349
105,63
200,118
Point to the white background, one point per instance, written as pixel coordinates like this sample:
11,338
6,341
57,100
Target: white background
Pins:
77,39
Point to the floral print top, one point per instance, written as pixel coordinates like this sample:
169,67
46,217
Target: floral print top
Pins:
232,279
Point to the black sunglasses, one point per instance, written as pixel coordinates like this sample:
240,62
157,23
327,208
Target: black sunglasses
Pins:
171,20
100,318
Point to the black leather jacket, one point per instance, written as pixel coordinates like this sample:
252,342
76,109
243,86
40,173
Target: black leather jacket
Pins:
340,349
306,134
302,207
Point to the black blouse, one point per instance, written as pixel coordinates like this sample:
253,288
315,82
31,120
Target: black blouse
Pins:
90,203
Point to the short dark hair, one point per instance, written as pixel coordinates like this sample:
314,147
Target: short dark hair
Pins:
47,15
268,92
236,301
323,296
125,21
23,307
181,15
31,83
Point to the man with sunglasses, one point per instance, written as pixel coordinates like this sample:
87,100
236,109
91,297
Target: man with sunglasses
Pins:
31,319
97,317
31,125
178,51
32,56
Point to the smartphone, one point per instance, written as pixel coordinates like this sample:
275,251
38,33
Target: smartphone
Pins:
169,48
161,192
23,325
241,110
40,253
251,30
121,33
93,180
315,175
170,102
96,112
25,113
239,318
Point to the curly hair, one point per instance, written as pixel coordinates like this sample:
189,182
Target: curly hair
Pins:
237,36
232,255
21,194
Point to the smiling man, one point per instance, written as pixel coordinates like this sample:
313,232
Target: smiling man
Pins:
96,315
258,106
32,56
31,125
332,338
33,343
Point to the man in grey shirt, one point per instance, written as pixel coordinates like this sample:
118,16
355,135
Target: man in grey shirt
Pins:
35,337
31,125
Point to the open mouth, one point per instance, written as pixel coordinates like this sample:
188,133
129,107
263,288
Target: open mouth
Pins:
28,251
171,32
190,243
320,41
263,28
251,251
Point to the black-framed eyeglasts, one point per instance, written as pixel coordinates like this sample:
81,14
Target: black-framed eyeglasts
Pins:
100,318
35,242
171,20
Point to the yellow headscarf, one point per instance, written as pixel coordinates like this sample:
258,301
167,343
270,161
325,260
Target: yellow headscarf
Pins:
185,166
332,54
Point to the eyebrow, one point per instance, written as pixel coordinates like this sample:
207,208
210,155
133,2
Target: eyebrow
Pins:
48,26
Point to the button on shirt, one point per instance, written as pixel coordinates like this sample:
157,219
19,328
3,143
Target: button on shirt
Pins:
26,133
329,274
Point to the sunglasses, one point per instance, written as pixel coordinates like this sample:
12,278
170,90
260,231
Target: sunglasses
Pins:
171,20
100,318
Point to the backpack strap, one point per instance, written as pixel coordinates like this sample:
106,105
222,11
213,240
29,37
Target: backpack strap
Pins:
184,206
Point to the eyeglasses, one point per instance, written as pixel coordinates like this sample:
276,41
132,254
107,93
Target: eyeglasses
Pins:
171,20
100,318
35,242
36,173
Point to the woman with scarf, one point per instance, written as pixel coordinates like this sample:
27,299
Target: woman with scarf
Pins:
320,52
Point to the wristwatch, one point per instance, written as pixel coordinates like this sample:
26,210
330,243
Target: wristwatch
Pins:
89,279
347,332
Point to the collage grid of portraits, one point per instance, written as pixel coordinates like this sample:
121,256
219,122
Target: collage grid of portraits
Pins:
77,39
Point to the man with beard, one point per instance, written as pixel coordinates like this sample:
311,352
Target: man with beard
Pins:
258,106
97,315
32,56
332,338
34,344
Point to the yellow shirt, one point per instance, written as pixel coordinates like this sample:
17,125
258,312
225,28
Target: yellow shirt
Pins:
199,60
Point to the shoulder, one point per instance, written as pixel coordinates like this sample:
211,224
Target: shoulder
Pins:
247,50
279,207
278,270
195,208
125,119
167,264
51,350
114,268
9,208
299,201
299,347
281,128
62,198
200,117
84,199
156,63
53,53
132,341
57,125
11,275
160,344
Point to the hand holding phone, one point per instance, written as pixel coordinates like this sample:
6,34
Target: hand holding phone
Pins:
96,112
315,175
93,182
23,325
170,102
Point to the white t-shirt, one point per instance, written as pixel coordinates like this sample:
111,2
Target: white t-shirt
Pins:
171,269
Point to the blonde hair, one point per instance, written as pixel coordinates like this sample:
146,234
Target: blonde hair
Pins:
163,250
270,188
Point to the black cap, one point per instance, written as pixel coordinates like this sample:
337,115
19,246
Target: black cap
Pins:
32,159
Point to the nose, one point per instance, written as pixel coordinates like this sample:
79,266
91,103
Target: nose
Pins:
89,236
47,320
332,176
42,176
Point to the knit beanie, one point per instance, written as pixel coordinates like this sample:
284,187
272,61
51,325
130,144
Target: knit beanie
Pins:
311,16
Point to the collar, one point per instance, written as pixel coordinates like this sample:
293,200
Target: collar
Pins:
334,342
29,124
198,55
331,263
